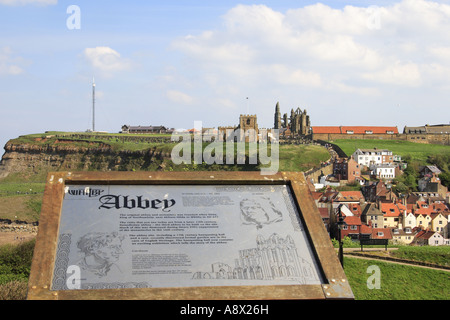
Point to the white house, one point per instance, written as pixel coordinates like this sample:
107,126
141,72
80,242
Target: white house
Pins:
383,170
431,238
409,220
366,157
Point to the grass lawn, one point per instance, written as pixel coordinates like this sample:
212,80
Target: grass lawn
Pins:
437,255
417,151
397,282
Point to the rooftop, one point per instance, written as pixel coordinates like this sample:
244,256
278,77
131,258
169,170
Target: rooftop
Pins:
355,129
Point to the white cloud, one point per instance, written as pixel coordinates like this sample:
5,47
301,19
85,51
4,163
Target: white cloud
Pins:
106,60
25,2
285,75
318,46
179,97
8,63
403,74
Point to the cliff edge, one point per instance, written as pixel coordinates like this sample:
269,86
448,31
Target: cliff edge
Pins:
41,153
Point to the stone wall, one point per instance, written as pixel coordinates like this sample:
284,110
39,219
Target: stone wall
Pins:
19,227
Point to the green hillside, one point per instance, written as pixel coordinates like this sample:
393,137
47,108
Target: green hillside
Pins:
415,151
21,192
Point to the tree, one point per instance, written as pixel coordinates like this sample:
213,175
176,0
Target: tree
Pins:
401,188
445,179
410,181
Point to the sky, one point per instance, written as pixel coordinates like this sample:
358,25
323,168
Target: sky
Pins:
171,63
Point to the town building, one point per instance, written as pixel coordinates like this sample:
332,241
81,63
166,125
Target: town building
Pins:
431,238
330,133
392,213
346,170
403,236
367,157
372,216
385,171
376,191
433,134
146,129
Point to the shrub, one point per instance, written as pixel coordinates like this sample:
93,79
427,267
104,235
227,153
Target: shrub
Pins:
13,290
15,261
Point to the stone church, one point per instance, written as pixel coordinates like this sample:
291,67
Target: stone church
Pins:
247,130
297,124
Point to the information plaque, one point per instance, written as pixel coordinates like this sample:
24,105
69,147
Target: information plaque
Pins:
207,235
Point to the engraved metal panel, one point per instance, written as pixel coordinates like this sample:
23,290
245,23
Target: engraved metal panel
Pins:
155,236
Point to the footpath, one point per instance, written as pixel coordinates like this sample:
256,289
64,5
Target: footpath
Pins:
379,254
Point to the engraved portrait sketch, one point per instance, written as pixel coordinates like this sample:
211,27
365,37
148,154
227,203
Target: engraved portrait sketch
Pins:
259,212
101,251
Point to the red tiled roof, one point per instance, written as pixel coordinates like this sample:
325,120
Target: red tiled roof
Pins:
390,209
353,220
375,130
326,129
386,233
426,209
425,234
324,213
349,196
401,206
355,129
355,208
366,229
316,195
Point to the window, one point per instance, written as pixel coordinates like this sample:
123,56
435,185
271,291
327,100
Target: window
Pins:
349,131
353,227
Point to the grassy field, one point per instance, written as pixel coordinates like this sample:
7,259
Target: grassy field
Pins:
436,255
397,282
117,142
21,188
416,151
